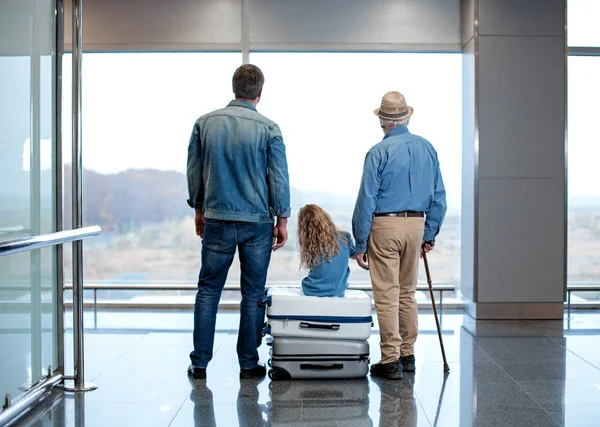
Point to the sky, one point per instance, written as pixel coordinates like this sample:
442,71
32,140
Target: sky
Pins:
139,109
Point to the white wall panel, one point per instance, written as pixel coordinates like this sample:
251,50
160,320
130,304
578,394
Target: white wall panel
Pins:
521,240
399,22
467,24
522,106
430,25
158,24
521,17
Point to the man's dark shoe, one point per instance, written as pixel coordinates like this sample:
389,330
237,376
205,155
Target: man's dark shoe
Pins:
388,371
258,371
197,373
407,363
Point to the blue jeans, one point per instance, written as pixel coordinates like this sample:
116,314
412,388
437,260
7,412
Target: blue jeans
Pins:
221,238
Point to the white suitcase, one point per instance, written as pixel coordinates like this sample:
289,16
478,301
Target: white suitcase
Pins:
310,358
290,314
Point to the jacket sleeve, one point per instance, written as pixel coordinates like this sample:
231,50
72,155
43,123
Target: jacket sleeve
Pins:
194,171
277,175
366,202
437,211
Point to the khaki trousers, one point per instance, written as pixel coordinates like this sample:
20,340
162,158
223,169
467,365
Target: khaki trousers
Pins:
393,253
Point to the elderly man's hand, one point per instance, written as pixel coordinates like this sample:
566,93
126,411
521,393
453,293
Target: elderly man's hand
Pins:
426,247
362,260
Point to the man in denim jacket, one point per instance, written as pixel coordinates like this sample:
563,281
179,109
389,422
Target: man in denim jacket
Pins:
238,183
399,211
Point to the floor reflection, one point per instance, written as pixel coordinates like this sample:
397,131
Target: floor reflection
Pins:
502,374
330,403
249,411
398,404
204,409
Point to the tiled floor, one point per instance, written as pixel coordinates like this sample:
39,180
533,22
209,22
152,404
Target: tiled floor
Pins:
502,374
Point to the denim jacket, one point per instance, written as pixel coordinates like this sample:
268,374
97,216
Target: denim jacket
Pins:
237,168
401,173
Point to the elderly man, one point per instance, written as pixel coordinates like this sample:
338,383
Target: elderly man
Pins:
238,182
399,211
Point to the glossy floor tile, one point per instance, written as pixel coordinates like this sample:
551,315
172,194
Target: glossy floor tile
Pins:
503,373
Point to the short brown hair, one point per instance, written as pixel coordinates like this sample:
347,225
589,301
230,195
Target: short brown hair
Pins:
248,81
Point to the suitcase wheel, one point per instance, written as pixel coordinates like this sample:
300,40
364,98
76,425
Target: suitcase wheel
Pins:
278,374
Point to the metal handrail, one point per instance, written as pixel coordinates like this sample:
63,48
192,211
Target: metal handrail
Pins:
227,287
11,411
43,240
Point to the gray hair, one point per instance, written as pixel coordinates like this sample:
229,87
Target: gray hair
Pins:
394,123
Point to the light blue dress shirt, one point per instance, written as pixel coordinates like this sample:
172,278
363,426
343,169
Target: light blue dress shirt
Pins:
401,173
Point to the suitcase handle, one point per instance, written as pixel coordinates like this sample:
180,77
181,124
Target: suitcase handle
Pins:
265,330
332,367
307,325
265,301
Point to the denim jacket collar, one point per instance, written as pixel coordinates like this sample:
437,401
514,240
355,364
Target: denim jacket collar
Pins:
396,131
242,103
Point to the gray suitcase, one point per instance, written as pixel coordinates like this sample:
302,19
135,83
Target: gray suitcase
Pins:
310,358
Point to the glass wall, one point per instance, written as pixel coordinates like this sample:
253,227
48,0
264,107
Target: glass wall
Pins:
27,285
583,148
582,29
324,105
138,113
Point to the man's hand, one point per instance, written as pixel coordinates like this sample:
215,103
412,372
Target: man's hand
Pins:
200,220
280,234
427,246
362,261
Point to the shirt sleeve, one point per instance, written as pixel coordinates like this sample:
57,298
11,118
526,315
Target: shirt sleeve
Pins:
194,171
277,175
351,245
366,202
437,211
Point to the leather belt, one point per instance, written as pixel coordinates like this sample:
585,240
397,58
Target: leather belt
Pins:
405,214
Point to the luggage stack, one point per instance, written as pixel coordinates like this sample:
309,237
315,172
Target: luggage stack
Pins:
317,337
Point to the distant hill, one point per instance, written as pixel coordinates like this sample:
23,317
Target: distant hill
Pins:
130,199
126,200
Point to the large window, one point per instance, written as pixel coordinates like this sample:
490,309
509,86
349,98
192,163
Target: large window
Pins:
583,147
138,112
582,23
584,192
324,104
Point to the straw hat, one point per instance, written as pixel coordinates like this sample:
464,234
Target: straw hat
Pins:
393,107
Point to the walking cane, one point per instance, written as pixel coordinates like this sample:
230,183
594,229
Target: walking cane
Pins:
437,322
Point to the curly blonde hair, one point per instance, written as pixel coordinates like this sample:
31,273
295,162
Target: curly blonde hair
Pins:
318,237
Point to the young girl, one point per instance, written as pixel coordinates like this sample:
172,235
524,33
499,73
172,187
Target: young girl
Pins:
324,252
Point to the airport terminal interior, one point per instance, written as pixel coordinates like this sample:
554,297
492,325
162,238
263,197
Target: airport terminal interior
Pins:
99,258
